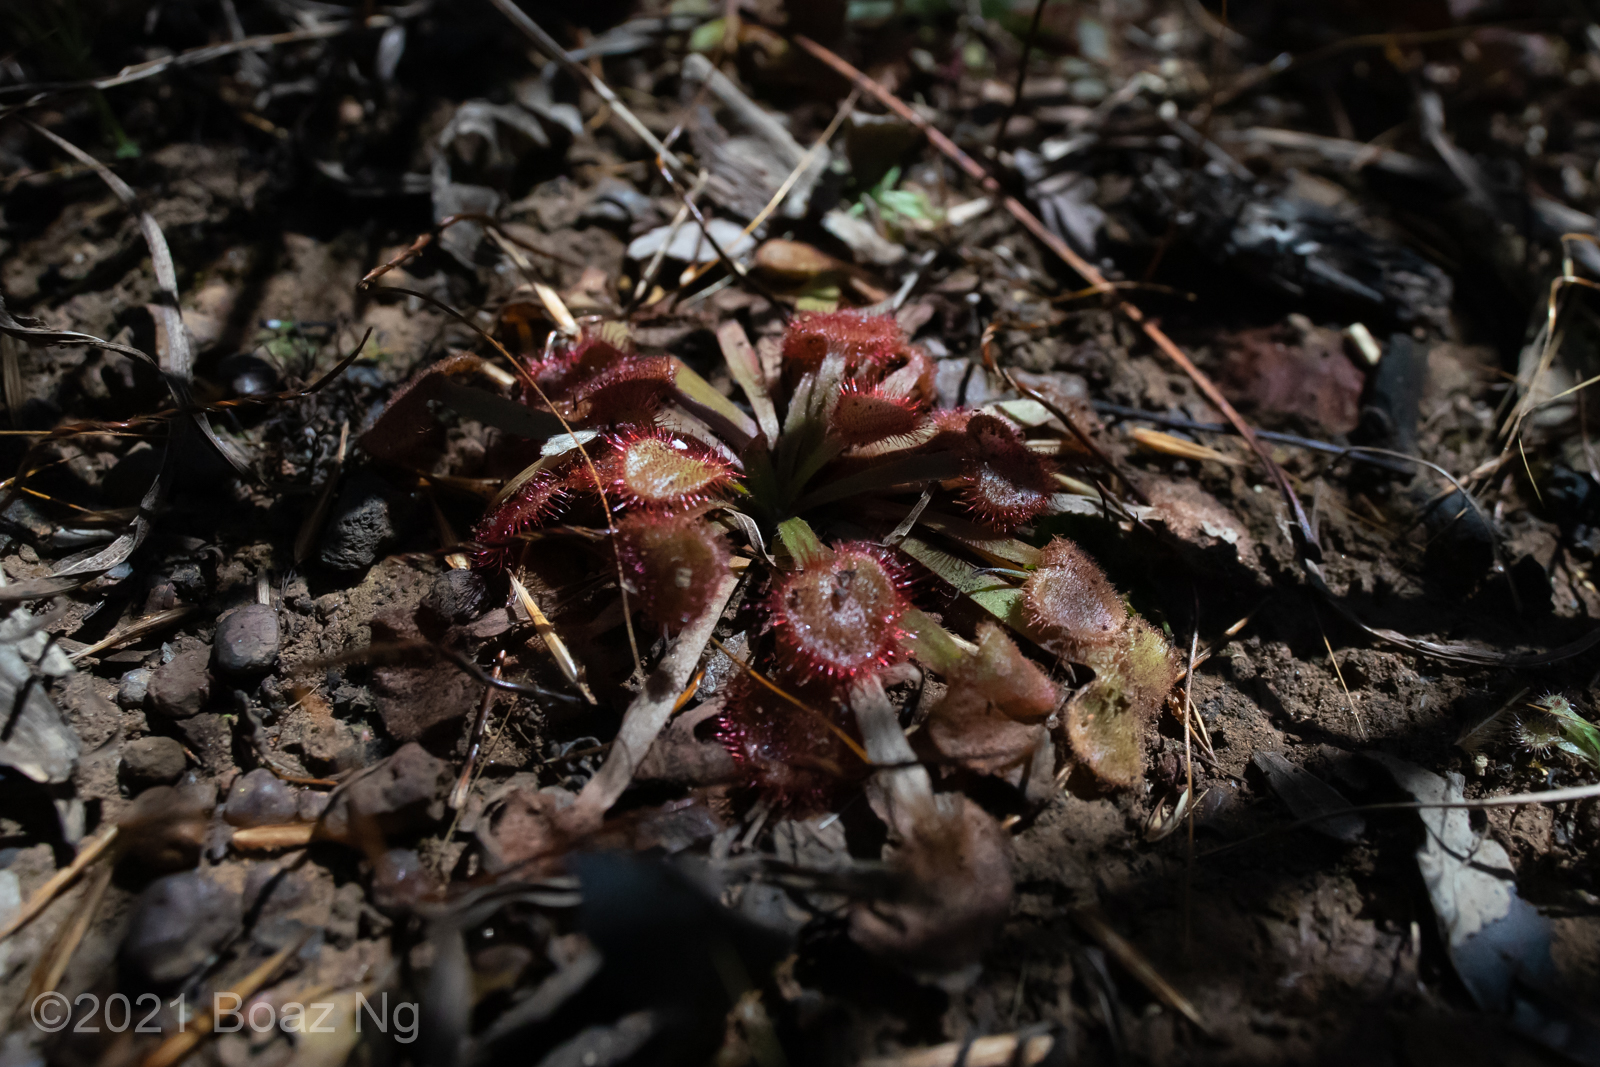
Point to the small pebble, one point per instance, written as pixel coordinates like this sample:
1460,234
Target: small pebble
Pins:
363,523
164,829
180,688
133,686
405,792
399,881
149,761
261,798
247,640
190,581
247,375
312,805
457,596
178,922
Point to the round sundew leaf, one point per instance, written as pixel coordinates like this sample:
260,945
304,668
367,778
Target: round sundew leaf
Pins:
859,338
661,471
863,417
1070,599
1007,484
794,756
673,562
841,617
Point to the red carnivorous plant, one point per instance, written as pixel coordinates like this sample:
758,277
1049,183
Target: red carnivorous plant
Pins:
683,469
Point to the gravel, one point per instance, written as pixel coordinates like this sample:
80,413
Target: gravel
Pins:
148,761
133,686
180,689
261,798
247,641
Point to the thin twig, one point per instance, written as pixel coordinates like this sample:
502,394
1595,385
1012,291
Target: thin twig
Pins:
196,56
1022,74
1350,700
1188,770
548,45
1514,800
1309,547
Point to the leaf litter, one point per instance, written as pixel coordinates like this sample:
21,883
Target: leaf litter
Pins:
803,686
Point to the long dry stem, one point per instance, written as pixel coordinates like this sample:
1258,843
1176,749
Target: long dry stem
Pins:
1087,271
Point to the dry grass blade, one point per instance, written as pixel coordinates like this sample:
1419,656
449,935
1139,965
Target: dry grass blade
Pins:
47,975
649,711
997,1050
136,629
552,640
469,766
740,357
177,360
60,880
558,309
1348,699
39,335
1085,269
1450,651
278,836
1514,800
11,376
1161,824
1168,445
204,54
694,270
178,1045
548,45
1135,963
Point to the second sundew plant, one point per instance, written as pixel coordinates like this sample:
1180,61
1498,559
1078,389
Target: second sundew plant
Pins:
815,483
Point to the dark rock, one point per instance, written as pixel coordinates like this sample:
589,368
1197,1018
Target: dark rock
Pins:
129,478
457,596
150,761
1570,498
399,881
247,640
179,689
261,798
178,922
22,516
363,523
404,793
133,686
164,828
344,919
312,805
190,580
162,596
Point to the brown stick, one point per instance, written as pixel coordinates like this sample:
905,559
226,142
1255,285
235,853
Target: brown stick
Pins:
1084,268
